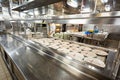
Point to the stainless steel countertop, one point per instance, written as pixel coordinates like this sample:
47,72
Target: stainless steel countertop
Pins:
35,64
97,36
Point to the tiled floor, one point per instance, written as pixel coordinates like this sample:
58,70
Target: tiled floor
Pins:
4,73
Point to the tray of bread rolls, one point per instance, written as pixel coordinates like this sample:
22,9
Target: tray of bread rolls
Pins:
76,51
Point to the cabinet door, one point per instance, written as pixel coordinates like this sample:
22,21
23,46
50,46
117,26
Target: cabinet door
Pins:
17,73
1,51
118,75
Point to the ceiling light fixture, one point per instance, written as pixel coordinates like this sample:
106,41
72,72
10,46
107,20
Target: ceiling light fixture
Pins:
104,1
72,3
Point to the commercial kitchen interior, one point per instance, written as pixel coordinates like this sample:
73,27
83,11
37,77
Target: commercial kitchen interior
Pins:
59,39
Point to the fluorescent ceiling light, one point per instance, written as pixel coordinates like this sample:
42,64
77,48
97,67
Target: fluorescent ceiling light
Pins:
72,3
104,1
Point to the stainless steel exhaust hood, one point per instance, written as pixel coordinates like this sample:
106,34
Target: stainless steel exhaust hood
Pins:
94,18
35,4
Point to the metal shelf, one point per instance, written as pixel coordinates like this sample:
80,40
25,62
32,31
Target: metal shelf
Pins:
35,4
99,18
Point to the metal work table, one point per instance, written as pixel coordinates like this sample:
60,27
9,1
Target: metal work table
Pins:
34,64
96,36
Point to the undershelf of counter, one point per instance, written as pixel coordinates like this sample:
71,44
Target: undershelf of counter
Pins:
35,61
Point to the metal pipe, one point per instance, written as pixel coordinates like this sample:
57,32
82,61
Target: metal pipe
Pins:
10,7
95,6
34,13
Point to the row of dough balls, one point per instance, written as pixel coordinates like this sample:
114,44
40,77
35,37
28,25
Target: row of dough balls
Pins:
75,51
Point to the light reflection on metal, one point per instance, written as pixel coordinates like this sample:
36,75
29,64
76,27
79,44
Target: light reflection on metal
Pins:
43,10
92,67
69,57
101,18
115,50
25,11
38,21
17,53
22,22
107,7
72,3
36,12
30,13
12,21
95,6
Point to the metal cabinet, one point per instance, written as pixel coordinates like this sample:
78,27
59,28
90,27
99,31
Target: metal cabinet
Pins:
15,73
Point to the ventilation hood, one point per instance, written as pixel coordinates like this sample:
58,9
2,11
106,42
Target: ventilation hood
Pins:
35,4
73,15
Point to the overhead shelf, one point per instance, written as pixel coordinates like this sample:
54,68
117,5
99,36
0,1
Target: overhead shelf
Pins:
35,4
99,18
114,14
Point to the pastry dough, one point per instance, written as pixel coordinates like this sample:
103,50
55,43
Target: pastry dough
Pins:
85,48
64,46
46,43
63,50
88,54
79,57
74,49
56,41
100,52
101,58
54,46
67,43
74,45
95,61
76,56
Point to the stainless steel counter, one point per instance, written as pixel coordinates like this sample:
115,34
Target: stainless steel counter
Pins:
41,64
